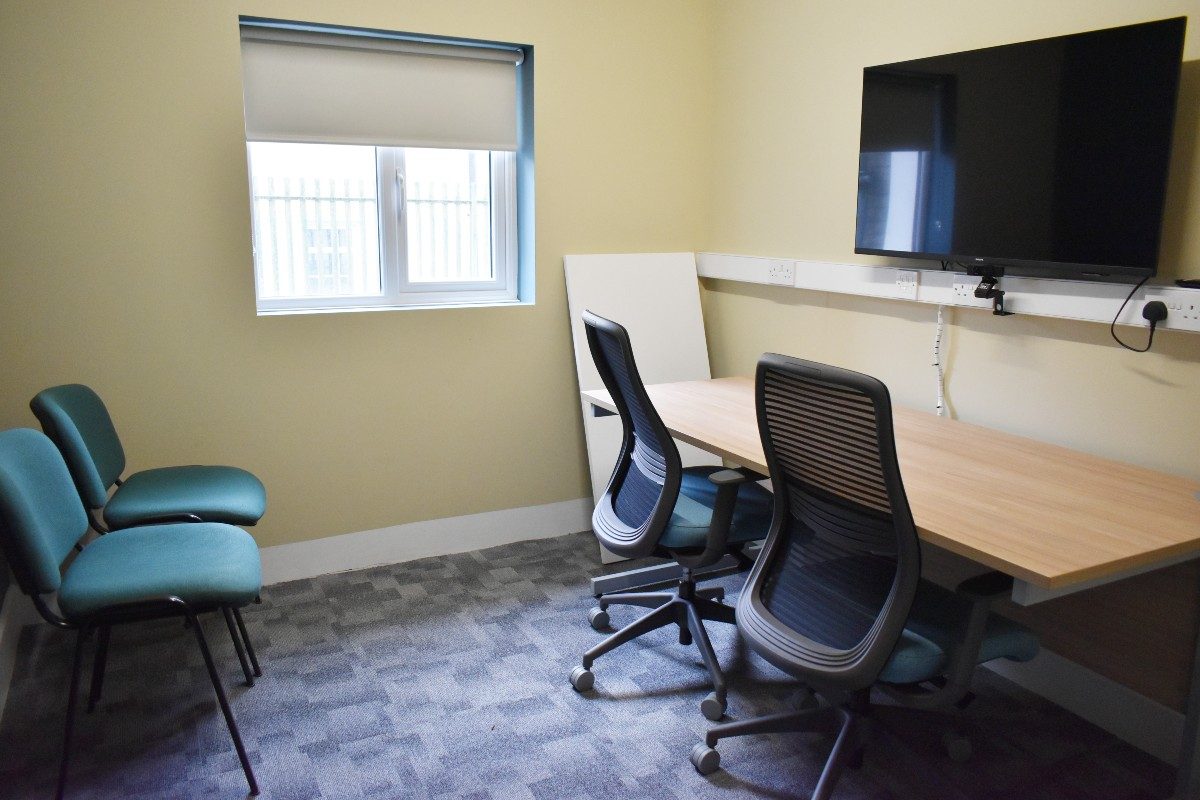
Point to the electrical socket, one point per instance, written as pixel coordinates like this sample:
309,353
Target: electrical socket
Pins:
781,273
1183,308
907,281
964,292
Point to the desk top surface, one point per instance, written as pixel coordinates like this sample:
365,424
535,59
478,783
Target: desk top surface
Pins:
1037,511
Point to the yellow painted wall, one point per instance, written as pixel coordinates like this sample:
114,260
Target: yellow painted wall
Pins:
788,100
125,254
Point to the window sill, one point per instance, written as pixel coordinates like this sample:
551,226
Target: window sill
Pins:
279,312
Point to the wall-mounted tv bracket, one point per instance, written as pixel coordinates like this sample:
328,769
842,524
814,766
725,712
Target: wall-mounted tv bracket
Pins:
986,290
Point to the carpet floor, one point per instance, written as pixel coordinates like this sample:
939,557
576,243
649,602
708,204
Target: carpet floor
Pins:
447,678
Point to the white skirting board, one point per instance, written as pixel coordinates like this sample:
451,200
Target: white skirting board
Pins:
1144,723
434,537
1109,705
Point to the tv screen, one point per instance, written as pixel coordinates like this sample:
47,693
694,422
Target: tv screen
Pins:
1041,158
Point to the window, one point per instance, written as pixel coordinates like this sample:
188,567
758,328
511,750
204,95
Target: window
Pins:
386,172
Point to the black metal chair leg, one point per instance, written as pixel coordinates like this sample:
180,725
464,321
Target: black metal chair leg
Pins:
658,618
838,758
98,667
643,599
706,652
237,645
717,612
237,615
224,703
72,702
787,722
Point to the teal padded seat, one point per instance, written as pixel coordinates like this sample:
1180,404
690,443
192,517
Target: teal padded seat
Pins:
76,420
935,626
215,494
688,526
940,615
159,560
855,587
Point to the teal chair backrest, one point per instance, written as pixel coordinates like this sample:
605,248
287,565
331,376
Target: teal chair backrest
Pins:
41,517
75,418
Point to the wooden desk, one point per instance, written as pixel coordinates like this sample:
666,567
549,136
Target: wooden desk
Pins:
1055,519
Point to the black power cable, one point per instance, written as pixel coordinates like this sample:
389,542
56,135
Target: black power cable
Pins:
1154,312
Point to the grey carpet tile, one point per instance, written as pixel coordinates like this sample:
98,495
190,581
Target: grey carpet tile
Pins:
447,678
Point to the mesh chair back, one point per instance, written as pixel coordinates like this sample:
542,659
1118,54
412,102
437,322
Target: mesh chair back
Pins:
644,486
41,517
75,418
830,594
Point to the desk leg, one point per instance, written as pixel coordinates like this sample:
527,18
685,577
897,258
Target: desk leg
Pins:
1187,780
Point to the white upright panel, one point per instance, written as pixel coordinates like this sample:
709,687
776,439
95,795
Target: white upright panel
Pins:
656,296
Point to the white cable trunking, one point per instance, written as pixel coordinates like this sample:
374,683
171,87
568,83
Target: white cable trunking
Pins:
1042,297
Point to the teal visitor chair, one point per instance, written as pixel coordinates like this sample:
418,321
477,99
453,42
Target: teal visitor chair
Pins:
130,575
76,420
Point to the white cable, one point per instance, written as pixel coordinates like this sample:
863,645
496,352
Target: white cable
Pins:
937,364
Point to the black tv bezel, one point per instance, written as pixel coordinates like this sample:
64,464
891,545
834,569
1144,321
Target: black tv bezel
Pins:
975,264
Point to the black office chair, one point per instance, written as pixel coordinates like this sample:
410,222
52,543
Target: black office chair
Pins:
653,506
836,598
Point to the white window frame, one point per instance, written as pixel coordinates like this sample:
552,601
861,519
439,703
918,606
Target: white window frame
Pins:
397,291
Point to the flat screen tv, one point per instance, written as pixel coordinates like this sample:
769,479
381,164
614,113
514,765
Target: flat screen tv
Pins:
1045,158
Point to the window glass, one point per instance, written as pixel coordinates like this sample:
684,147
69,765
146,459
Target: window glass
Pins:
449,215
316,220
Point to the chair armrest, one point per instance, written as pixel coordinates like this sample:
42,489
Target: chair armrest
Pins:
728,483
963,656
735,475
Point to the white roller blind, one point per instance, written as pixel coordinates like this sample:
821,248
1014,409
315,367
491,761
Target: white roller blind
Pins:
343,89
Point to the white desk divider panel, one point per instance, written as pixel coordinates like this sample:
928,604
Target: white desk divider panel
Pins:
656,296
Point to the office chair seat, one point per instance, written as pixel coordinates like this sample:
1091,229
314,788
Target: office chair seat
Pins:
939,615
215,494
205,564
934,627
689,523
836,600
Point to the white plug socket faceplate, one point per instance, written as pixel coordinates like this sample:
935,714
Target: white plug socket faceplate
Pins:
1183,308
964,293
907,281
781,273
